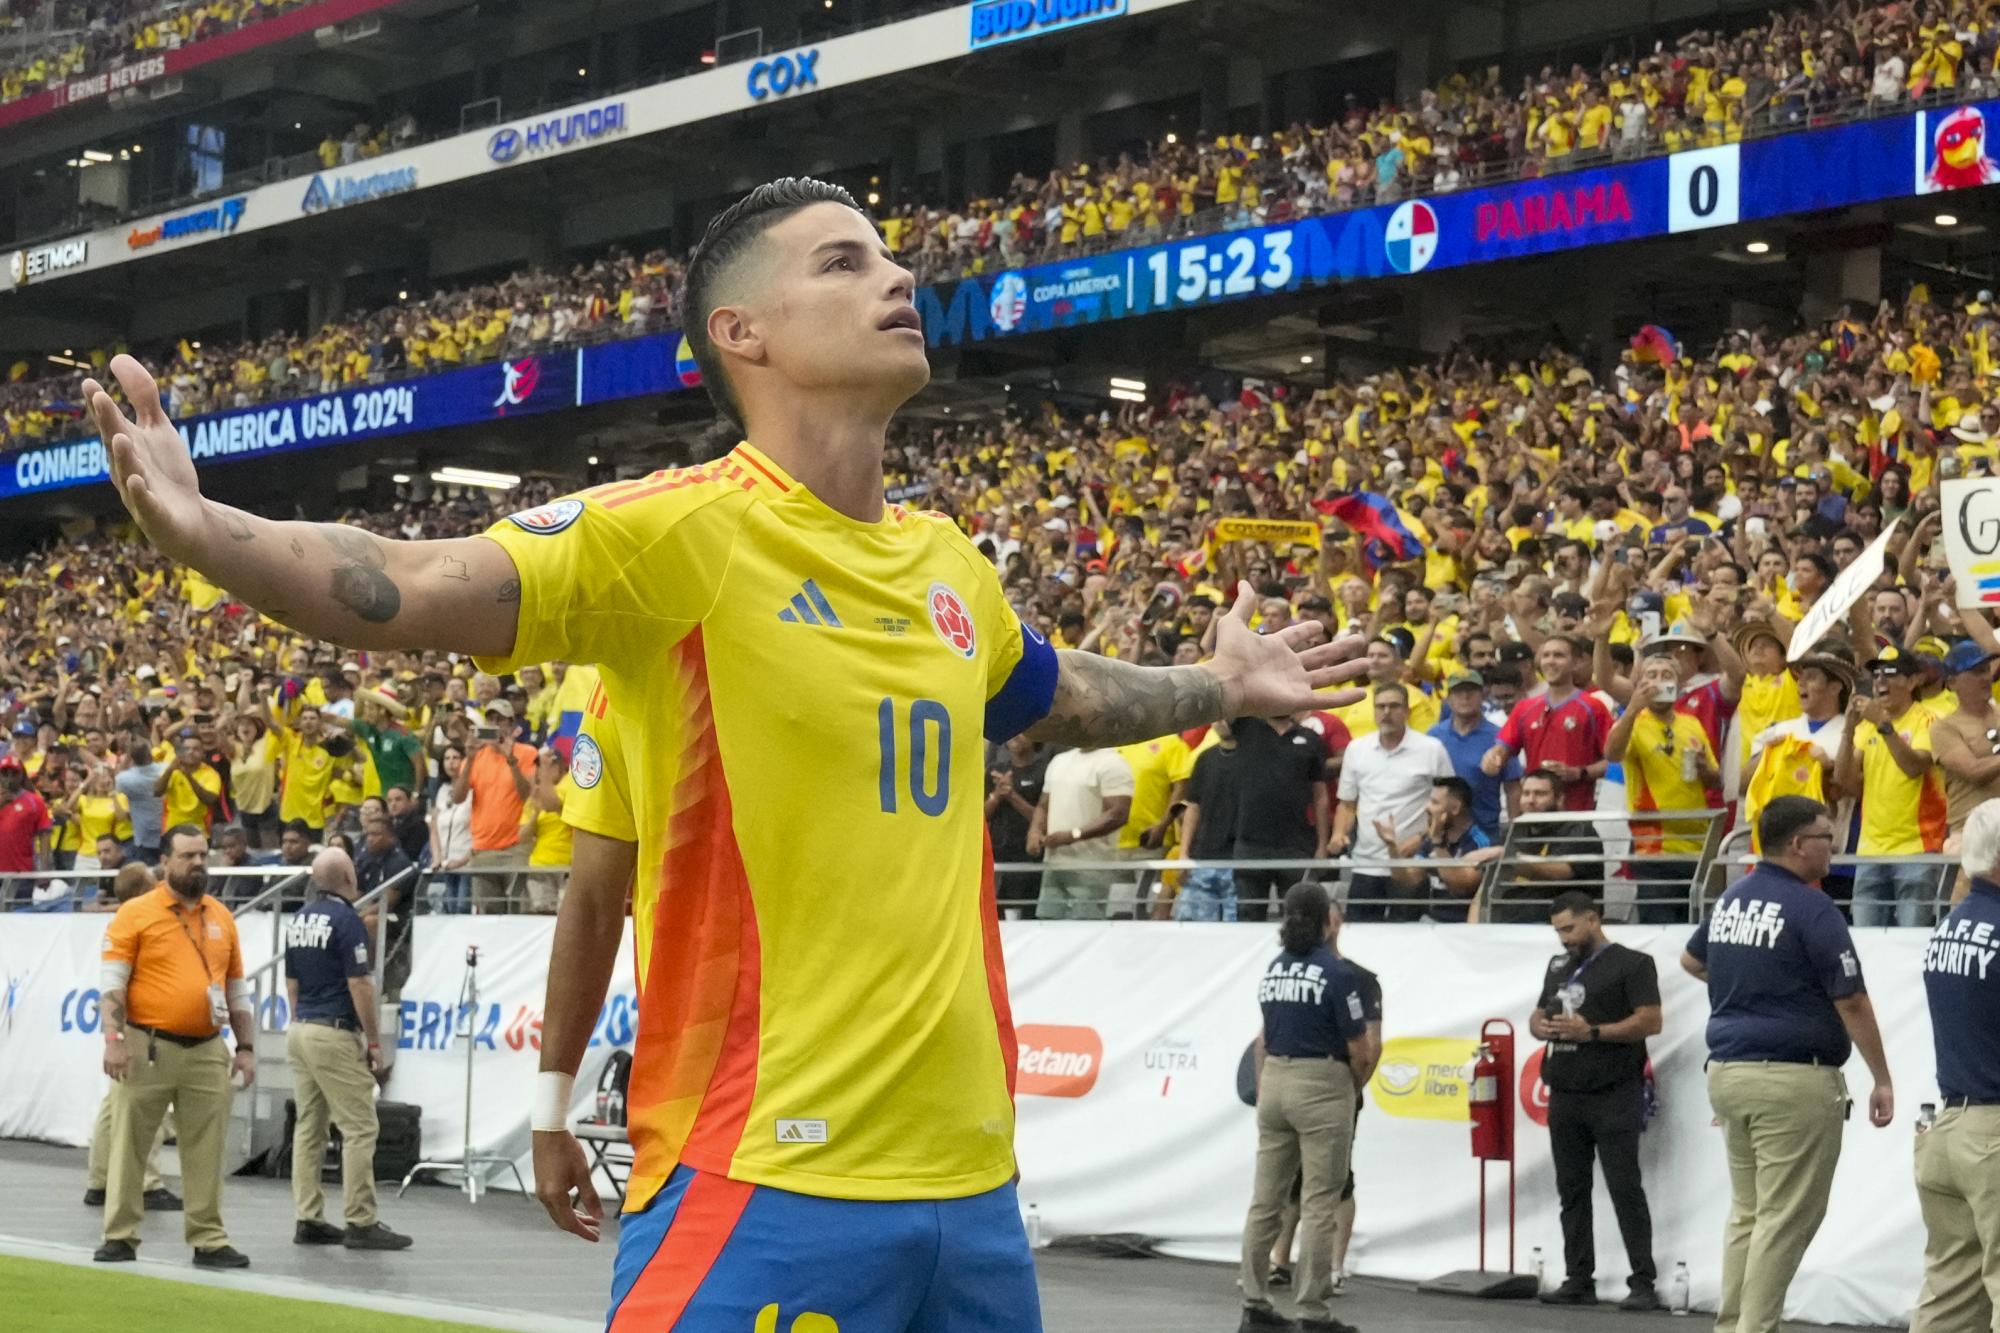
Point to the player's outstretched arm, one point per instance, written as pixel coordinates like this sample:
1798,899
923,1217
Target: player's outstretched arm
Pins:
328,580
1102,701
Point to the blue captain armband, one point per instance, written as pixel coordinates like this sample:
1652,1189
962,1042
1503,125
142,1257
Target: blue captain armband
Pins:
1029,693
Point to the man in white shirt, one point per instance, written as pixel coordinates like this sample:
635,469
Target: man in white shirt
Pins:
1086,798
1385,775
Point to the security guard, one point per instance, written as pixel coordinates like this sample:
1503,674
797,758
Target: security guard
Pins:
132,880
1315,1053
335,1054
1787,1008
1957,1185
173,974
1599,1003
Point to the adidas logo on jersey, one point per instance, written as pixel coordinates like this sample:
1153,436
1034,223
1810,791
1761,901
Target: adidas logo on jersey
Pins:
802,1131
810,607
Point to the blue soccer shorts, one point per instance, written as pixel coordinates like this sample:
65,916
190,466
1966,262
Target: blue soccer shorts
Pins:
714,1255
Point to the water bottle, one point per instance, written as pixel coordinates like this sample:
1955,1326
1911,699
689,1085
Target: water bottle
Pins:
1034,1227
1539,1267
1926,1117
1678,1296
1690,763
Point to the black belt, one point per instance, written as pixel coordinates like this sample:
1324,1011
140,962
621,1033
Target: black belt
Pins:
1960,1103
344,1024
1812,1061
175,1037
1337,1059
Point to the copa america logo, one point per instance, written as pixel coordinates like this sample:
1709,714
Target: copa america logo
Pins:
1010,302
505,145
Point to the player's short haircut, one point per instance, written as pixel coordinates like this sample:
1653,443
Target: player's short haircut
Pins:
732,233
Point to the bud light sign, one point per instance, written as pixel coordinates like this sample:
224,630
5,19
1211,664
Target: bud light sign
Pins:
997,21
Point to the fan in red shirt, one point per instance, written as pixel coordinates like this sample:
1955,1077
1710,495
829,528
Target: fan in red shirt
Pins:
1560,732
24,824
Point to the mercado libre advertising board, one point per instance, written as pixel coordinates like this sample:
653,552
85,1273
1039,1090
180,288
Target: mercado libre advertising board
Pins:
1971,517
1847,588
1300,531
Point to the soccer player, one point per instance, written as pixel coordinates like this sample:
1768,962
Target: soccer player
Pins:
820,1101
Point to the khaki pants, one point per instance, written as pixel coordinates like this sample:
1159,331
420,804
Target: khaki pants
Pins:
1305,1122
544,893
1781,1126
1074,895
194,1080
331,1082
493,892
100,1151
1958,1187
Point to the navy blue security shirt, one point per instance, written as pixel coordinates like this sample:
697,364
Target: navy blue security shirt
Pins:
325,944
1778,955
1313,1004
1962,981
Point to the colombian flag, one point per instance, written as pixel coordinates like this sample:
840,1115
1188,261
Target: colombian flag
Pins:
580,692
1376,518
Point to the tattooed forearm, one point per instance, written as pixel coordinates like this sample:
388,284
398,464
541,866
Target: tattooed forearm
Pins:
111,1010
359,582
1102,701
237,526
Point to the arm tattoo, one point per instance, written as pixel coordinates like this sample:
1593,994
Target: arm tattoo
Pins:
510,591
237,526
298,548
359,583
454,568
1102,701
111,1008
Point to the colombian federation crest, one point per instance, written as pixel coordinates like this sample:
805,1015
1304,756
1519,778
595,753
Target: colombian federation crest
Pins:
951,620
549,519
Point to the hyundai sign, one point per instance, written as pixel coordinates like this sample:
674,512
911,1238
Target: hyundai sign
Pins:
997,21
556,133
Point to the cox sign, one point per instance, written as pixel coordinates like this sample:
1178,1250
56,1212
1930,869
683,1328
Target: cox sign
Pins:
784,74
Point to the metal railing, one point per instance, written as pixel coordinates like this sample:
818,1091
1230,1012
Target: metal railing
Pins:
75,901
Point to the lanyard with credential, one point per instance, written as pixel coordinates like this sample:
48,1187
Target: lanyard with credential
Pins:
201,916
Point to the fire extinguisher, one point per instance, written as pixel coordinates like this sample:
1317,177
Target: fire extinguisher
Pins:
1492,1077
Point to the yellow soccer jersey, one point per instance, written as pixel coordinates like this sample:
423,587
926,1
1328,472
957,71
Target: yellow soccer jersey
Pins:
800,700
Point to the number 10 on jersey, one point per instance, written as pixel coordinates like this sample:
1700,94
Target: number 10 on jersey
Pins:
928,733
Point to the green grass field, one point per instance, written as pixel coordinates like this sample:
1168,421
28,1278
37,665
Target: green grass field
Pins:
63,1298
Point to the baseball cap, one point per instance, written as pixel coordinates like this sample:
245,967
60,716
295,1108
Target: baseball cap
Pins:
1465,679
146,672
24,728
500,708
1894,659
8,761
1964,656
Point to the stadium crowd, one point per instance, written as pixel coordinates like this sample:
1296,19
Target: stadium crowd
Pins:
60,40
1577,590
1704,87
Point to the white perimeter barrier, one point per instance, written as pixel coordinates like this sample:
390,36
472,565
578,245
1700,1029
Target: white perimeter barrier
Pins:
1132,1035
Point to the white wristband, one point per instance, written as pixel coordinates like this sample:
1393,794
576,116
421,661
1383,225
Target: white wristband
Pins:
551,1111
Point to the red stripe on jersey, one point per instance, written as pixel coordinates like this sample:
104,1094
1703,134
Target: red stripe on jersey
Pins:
656,488
996,962
694,1067
702,1225
766,471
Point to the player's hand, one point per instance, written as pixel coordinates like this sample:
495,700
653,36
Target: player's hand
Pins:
562,1183
150,464
1881,1105
1265,675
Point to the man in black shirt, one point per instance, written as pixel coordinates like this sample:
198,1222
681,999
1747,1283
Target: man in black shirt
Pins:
1281,806
335,1052
1599,1003
1014,789
379,861
1208,832
1539,867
